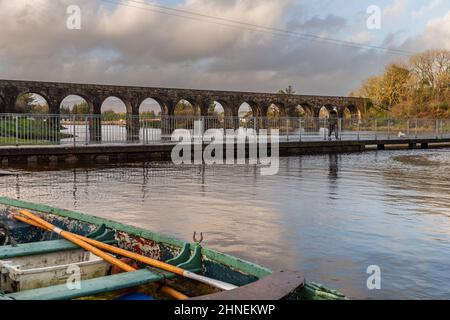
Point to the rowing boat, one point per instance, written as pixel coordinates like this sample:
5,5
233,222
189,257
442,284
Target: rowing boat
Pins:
37,264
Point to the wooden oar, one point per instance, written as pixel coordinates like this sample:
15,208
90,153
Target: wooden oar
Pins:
149,261
40,223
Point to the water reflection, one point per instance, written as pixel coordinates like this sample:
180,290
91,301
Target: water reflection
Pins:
329,216
333,172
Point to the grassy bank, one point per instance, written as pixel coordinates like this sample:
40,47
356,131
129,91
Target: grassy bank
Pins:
30,131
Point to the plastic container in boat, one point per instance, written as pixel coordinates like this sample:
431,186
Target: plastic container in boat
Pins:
45,270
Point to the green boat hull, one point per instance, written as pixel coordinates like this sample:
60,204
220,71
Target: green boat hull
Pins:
190,256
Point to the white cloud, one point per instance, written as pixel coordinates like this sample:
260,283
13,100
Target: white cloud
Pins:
124,45
437,34
395,8
133,33
426,8
363,37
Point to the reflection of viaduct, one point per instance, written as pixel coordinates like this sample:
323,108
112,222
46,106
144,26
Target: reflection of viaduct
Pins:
167,98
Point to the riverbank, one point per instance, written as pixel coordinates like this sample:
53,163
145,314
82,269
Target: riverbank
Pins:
126,153
32,131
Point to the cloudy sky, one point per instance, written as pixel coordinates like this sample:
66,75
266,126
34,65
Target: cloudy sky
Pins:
127,42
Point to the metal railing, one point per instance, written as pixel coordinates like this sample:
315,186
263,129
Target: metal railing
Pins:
79,130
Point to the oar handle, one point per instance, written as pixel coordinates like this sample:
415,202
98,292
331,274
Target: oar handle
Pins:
79,242
40,223
149,261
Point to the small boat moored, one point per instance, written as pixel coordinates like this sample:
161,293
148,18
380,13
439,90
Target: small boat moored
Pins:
48,253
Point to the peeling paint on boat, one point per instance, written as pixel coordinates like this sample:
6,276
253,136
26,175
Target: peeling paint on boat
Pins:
215,264
145,241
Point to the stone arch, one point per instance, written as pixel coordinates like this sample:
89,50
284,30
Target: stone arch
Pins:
150,107
215,114
216,109
300,111
75,103
283,110
148,121
304,109
248,109
351,111
324,111
115,103
254,109
28,100
274,111
225,105
186,107
346,113
112,121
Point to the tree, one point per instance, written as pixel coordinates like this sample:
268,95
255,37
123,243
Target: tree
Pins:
394,85
149,114
81,108
431,68
25,103
273,112
65,110
288,91
184,108
419,87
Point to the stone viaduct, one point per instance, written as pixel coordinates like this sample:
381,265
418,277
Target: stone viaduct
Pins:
54,93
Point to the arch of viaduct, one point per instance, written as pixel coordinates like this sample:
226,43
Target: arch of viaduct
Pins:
54,93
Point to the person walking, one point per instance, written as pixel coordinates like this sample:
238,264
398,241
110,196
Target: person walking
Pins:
333,124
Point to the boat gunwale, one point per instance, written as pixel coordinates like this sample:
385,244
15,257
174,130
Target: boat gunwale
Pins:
233,262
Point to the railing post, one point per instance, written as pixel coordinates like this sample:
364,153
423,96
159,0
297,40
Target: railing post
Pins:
202,131
58,129
17,130
287,129
376,129
389,129
415,130
86,129
437,129
74,131
144,133
300,128
359,128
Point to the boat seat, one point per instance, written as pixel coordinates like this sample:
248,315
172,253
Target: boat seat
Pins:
93,286
42,247
277,286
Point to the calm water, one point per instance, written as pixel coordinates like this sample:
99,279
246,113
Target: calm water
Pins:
329,216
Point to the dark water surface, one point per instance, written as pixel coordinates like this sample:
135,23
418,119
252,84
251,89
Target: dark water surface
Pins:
329,216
